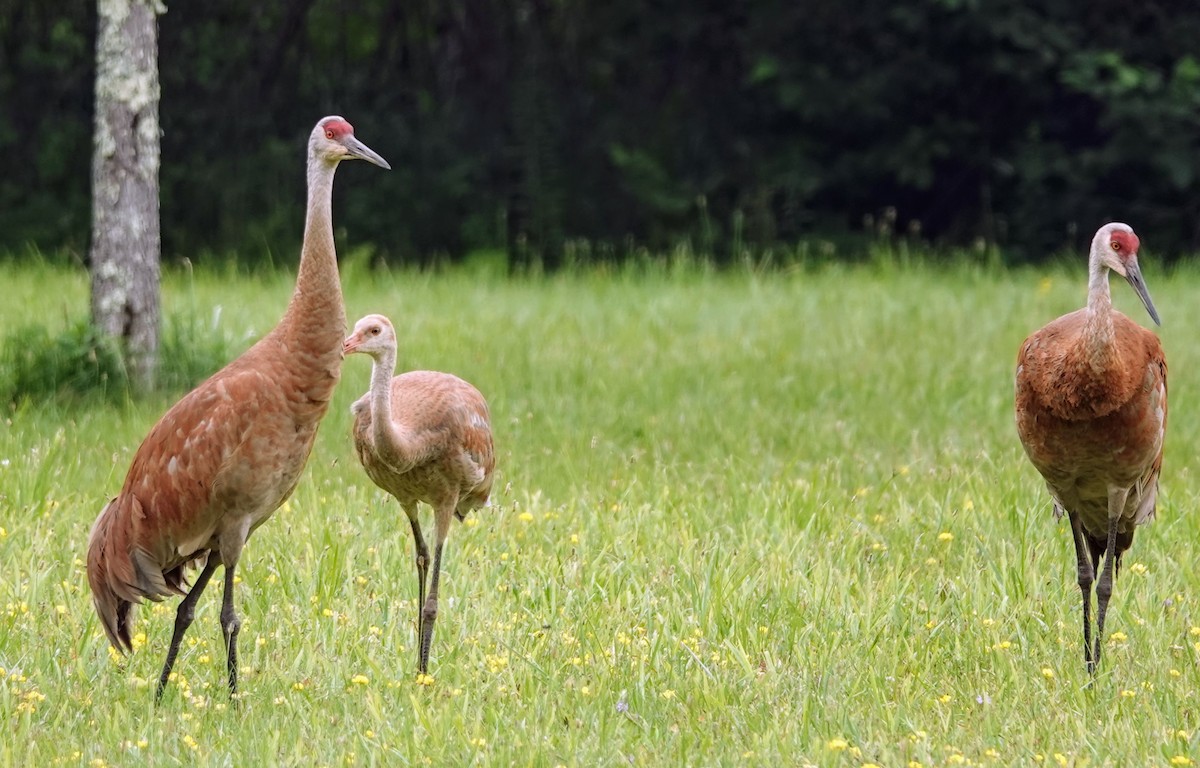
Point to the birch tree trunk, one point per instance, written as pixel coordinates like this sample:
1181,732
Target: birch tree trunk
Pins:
125,224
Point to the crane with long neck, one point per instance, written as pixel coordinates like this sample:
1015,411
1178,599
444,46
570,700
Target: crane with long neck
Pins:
1091,412
421,436
228,454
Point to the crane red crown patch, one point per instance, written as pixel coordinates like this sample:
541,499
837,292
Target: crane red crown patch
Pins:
337,128
1127,240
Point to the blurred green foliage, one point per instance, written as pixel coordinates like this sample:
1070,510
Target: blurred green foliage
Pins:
529,125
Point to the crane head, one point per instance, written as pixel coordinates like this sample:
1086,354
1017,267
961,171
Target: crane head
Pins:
1116,247
333,140
372,335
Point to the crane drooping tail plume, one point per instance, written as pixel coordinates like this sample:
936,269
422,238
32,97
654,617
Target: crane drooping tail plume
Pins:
224,457
1091,411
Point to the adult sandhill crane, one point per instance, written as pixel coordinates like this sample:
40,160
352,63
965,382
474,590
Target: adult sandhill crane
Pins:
223,458
421,436
1091,408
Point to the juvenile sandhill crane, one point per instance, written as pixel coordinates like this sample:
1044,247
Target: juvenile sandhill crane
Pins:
223,458
421,436
1091,408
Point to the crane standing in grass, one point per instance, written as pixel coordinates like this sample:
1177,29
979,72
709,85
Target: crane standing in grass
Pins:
421,436
223,458
1091,409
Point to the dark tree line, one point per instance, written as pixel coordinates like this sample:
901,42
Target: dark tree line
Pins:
532,124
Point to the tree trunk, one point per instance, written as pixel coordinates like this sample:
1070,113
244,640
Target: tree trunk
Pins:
125,224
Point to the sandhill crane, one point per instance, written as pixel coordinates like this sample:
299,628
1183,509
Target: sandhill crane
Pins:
421,436
1091,409
224,457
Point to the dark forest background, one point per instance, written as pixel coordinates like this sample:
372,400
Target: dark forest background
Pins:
545,127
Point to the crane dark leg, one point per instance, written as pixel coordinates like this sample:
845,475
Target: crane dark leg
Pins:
183,619
1086,575
1104,587
422,558
429,612
230,626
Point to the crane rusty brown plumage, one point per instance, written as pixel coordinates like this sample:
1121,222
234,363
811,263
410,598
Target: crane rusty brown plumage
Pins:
223,458
1091,412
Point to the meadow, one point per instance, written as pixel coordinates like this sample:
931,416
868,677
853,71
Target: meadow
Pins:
754,517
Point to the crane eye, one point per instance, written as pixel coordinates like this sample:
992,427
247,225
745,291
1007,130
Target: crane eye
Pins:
1116,246
375,331
328,134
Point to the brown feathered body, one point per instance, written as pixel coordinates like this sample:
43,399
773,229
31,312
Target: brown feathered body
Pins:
441,451
1091,410
224,457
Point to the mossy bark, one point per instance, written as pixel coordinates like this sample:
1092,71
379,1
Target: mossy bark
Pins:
125,216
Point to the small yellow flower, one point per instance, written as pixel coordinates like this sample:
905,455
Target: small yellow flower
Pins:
1175,673
860,492
946,698
945,536
1060,758
1181,760
991,752
298,686
931,561
837,745
1048,673
915,764
424,679
968,504
1138,568
60,609
1194,631
191,742
525,517
574,538
585,691
143,743
360,680
958,758
1128,694
204,658
1118,637
668,694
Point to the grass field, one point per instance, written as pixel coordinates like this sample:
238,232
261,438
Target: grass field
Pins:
749,518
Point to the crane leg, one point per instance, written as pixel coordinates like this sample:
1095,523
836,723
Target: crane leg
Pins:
1086,575
230,626
1104,586
429,612
183,619
422,558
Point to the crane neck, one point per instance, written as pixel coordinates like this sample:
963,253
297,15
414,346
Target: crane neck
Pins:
1098,330
316,311
388,442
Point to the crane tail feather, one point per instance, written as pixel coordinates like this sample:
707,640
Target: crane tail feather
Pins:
111,574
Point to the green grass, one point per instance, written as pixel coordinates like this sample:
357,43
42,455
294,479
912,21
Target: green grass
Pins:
768,519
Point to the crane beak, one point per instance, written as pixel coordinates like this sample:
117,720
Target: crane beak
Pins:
1133,274
356,149
350,345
